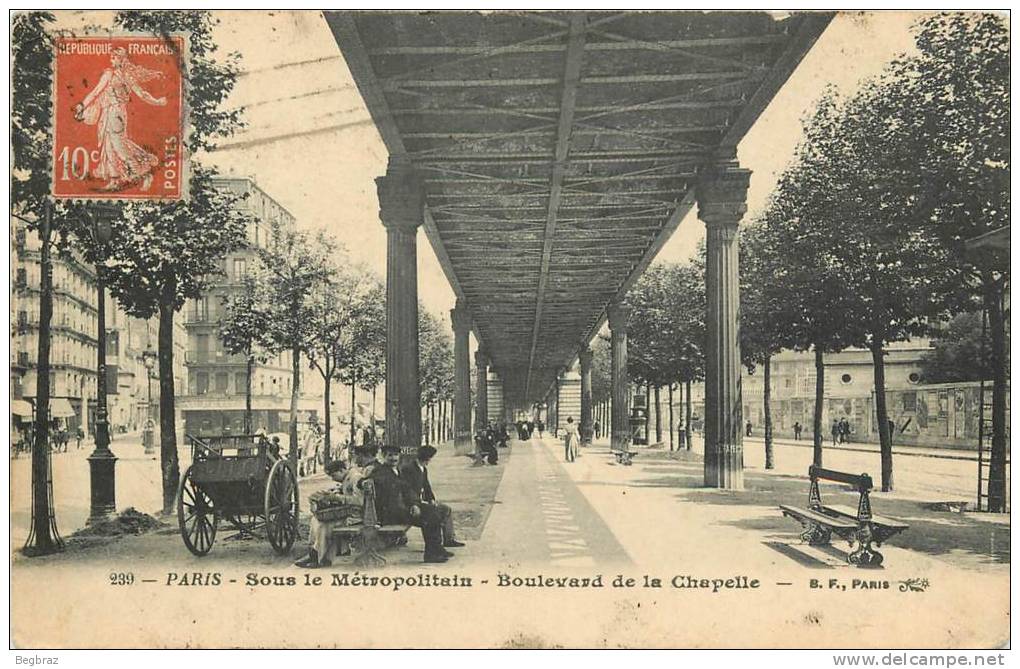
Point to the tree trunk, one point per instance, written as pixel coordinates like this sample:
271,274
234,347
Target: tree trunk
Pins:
770,462
881,411
326,414
248,429
671,423
648,414
353,412
689,412
295,386
681,423
168,461
43,542
997,488
658,415
819,399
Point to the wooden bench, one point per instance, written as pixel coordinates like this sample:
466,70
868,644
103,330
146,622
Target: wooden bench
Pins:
857,526
369,538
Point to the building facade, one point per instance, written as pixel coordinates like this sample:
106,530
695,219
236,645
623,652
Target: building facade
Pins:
927,415
74,343
217,381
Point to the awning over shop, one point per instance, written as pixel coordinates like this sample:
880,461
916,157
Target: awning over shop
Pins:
21,408
61,408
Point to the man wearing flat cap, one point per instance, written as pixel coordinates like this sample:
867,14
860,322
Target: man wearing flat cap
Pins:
396,504
341,505
416,474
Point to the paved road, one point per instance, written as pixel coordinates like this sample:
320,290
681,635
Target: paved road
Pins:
920,477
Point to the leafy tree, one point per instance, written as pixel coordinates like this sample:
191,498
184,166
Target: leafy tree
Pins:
761,336
436,364
364,368
32,51
329,333
959,352
816,305
296,264
687,306
959,128
161,254
244,330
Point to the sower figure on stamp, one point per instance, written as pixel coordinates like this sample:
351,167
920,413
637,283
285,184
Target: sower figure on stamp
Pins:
395,505
416,475
121,161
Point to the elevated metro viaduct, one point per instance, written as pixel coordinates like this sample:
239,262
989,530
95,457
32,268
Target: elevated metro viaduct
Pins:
573,143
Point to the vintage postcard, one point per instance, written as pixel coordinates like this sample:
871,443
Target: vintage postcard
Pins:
510,329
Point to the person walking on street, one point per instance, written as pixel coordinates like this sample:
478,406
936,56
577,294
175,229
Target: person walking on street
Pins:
747,429
796,431
844,430
835,431
570,440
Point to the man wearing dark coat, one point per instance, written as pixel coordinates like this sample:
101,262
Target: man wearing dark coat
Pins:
395,504
416,475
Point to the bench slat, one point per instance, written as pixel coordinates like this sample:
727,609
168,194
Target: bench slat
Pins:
862,481
819,518
851,512
385,529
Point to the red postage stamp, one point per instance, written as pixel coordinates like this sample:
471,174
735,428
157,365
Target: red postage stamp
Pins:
119,118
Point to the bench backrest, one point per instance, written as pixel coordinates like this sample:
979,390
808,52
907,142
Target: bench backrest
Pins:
862,482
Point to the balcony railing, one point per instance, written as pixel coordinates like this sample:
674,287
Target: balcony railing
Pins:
212,357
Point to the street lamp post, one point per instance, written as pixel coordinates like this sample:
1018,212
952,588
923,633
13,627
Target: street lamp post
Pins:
102,460
149,360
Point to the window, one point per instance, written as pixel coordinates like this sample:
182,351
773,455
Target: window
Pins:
846,379
202,352
914,377
201,309
201,383
910,402
240,383
221,382
240,268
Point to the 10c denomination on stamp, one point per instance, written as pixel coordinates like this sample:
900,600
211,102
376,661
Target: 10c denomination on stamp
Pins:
118,118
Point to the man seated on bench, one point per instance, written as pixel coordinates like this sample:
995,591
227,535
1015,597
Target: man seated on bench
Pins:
395,504
416,474
341,505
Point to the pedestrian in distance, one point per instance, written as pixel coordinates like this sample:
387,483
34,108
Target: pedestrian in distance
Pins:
597,427
797,428
570,440
747,429
844,430
835,431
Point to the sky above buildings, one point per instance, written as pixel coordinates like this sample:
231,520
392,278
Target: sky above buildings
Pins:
310,143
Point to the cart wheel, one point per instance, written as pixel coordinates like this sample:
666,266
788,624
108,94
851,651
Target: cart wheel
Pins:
195,516
281,507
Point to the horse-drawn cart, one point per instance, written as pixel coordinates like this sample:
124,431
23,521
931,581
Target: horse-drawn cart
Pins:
240,479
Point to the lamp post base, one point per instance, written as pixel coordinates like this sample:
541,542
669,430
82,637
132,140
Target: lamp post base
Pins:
101,472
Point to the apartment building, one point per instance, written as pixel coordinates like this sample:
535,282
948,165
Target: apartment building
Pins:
215,399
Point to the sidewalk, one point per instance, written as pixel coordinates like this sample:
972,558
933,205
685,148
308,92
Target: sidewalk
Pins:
869,447
946,453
